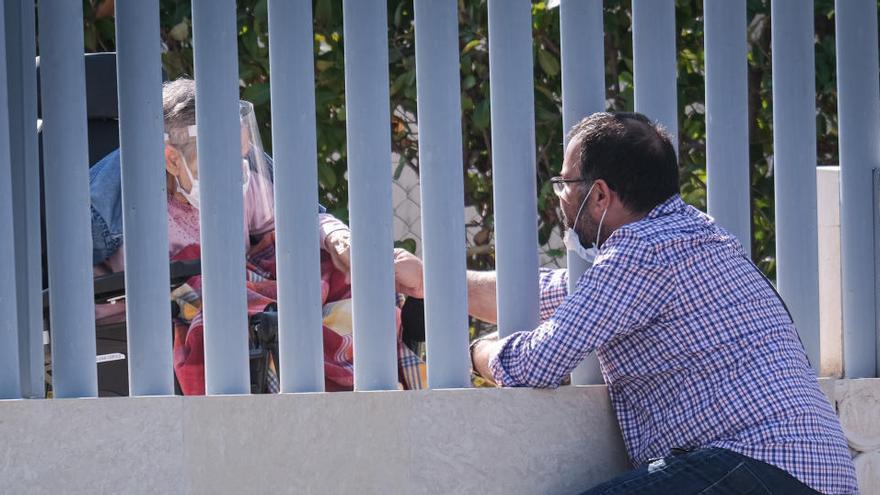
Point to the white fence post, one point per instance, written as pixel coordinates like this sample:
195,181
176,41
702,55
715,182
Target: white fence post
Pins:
442,189
221,211
294,143
513,164
68,228
794,166
144,211
368,130
582,37
858,110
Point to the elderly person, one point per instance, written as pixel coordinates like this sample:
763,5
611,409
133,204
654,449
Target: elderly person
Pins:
182,174
712,387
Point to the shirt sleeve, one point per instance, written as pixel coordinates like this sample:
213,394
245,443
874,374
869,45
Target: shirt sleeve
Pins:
327,224
259,204
553,288
625,290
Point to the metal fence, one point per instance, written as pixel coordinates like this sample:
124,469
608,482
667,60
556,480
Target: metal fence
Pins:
64,148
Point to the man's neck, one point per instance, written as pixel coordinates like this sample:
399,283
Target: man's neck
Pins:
624,218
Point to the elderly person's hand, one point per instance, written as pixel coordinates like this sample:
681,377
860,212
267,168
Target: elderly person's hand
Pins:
408,274
338,245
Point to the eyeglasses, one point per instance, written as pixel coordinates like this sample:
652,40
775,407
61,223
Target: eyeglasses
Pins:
559,183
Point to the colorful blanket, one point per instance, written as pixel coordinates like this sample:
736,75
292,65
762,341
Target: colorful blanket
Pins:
189,356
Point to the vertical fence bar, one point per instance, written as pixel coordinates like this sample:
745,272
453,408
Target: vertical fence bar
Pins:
513,164
654,71
442,189
222,211
368,132
858,109
22,78
144,214
794,162
876,210
291,59
727,127
582,36
10,373
65,169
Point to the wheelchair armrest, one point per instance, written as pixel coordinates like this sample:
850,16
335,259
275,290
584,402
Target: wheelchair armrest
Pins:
113,285
181,271
109,286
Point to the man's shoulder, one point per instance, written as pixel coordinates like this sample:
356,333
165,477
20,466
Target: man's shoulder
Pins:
628,244
647,238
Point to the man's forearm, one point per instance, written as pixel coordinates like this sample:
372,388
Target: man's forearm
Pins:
482,303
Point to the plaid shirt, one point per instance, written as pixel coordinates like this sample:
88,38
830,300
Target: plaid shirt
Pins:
695,346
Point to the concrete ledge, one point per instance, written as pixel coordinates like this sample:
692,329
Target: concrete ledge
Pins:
445,441
857,402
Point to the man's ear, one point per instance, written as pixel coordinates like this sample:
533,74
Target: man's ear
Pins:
602,194
172,160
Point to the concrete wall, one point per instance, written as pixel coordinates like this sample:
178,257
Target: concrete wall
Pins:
857,403
830,296
511,441
454,441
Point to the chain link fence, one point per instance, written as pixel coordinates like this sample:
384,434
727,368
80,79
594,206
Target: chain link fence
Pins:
406,202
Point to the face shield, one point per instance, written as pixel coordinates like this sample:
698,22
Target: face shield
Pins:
255,169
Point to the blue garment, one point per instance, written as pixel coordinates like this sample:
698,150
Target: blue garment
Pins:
705,471
695,346
105,187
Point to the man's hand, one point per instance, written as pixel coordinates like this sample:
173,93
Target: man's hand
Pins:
408,276
338,245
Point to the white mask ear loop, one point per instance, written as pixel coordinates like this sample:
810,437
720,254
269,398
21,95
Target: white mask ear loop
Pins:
192,196
599,231
584,202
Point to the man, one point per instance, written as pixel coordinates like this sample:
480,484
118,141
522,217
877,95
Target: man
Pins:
712,388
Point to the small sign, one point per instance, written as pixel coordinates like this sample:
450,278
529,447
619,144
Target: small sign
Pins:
116,356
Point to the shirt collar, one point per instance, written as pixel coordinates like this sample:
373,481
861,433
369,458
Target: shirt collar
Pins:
671,205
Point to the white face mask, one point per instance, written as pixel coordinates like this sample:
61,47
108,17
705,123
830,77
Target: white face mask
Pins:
245,175
192,197
573,242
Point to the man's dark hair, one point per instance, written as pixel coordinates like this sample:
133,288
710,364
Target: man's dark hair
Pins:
632,154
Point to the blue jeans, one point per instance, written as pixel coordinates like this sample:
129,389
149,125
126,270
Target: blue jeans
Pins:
707,471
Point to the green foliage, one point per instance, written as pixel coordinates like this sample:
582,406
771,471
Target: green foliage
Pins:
477,152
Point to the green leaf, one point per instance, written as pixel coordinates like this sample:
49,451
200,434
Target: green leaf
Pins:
401,163
261,11
482,115
324,11
467,103
322,65
471,45
399,83
326,176
409,244
258,94
548,62
398,14
180,31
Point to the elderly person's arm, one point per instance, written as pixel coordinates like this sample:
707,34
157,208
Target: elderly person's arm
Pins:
335,238
482,299
480,285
